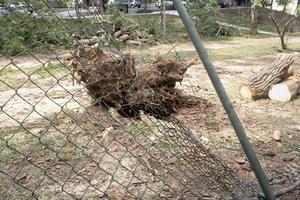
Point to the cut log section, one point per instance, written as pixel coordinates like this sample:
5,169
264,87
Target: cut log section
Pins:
134,42
124,38
117,34
286,90
259,86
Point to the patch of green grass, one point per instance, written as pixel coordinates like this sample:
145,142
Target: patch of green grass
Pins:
52,69
19,140
179,56
294,46
292,144
167,145
140,129
7,133
7,71
249,51
12,77
14,140
15,78
71,153
53,140
144,58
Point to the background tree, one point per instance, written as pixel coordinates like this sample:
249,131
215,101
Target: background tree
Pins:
283,3
203,13
68,3
265,3
253,29
163,18
238,2
282,30
145,4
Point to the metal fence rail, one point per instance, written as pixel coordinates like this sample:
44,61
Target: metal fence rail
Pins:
59,142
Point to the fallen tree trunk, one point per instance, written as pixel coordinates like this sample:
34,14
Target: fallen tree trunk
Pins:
286,90
259,86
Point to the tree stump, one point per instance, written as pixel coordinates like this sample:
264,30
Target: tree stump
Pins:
259,86
286,90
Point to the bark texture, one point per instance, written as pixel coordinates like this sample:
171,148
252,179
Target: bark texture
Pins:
259,85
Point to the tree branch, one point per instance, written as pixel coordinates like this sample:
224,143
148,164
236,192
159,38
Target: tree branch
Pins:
285,190
288,189
287,24
275,23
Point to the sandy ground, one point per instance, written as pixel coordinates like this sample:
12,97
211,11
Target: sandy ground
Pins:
262,119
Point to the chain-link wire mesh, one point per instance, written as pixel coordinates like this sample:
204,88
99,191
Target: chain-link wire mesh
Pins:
73,128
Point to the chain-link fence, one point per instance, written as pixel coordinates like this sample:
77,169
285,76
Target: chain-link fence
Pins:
88,123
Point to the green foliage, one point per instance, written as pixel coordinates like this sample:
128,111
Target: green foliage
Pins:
148,26
283,2
51,69
13,46
67,3
204,13
20,32
238,2
118,17
178,56
263,3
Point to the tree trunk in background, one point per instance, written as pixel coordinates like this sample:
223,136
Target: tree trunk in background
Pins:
259,86
253,18
163,17
284,8
76,5
146,4
272,1
100,5
281,32
28,6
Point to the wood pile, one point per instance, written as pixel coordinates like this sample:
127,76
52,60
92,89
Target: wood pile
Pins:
114,81
129,36
276,81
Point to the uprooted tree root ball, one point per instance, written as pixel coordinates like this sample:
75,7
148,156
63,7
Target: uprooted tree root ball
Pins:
116,82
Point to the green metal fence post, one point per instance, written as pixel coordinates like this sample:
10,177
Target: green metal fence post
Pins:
234,119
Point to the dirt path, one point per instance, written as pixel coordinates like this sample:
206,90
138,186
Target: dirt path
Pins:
234,43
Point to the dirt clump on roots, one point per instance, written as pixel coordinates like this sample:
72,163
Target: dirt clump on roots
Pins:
114,81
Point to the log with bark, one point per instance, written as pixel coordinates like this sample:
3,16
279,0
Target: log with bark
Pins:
114,82
131,36
286,90
259,85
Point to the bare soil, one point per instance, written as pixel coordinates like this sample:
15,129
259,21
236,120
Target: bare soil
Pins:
262,119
